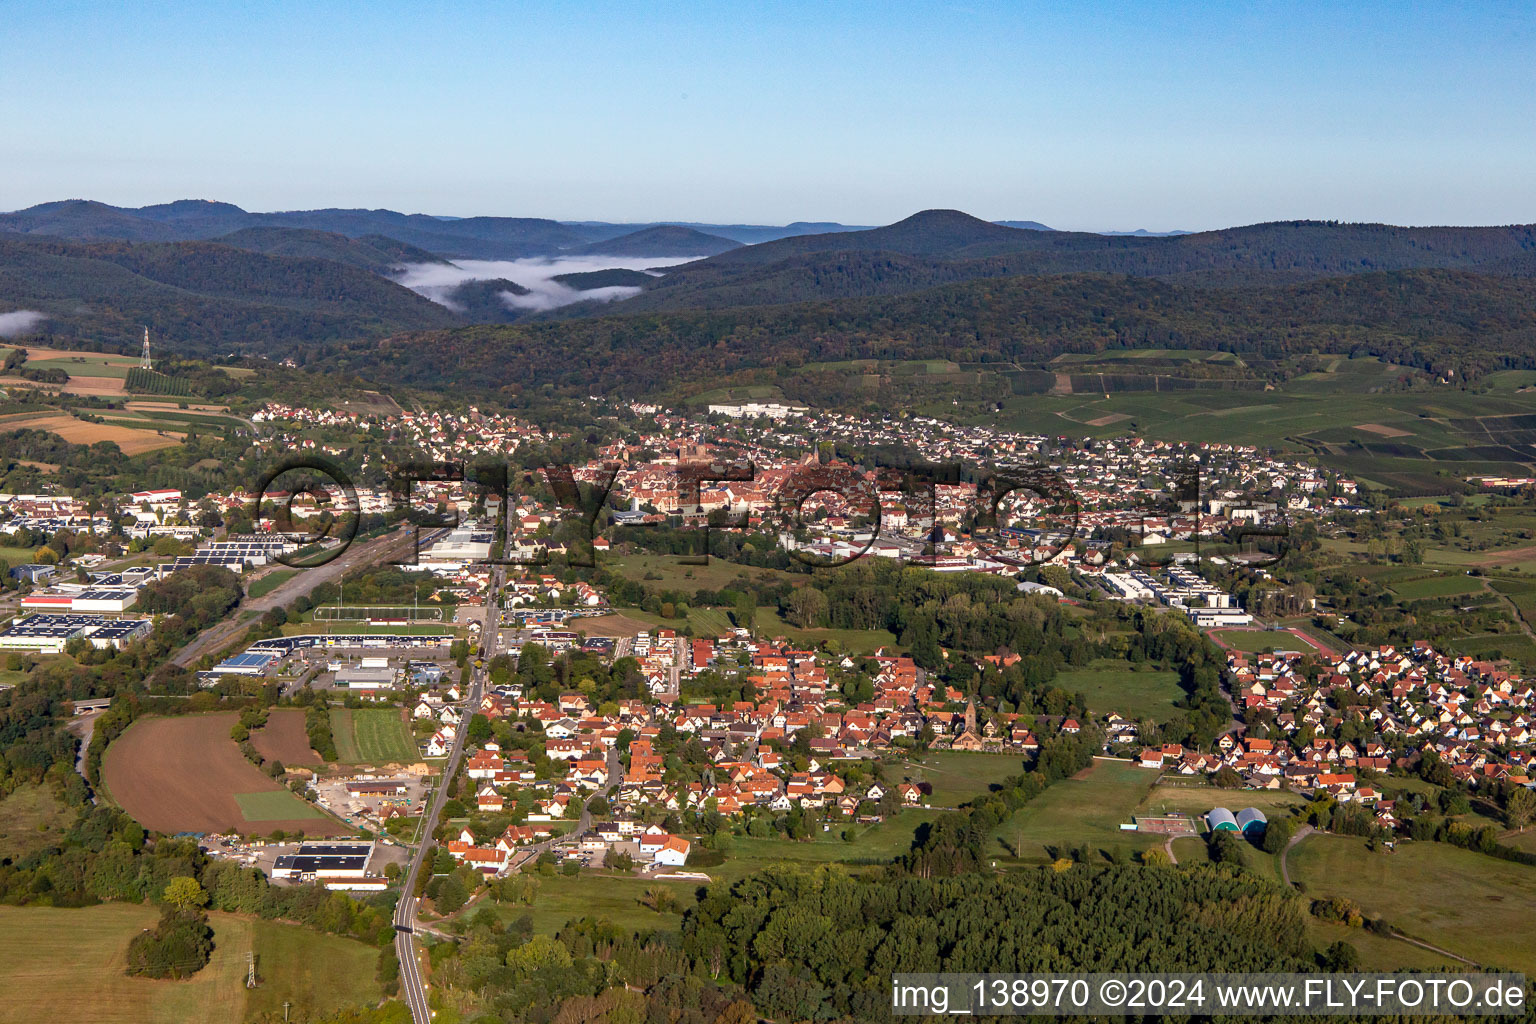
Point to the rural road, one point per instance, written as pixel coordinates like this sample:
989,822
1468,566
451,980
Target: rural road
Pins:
377,550
1301,833
411,984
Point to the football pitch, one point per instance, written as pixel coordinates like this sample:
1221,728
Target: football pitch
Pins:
371,736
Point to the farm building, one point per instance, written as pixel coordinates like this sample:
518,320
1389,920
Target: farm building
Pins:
1219,819
1251,821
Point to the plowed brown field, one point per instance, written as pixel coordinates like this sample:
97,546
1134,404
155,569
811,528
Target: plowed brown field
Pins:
182,775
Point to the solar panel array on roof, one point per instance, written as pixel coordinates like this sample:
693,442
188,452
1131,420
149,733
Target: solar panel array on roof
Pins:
106,594
249,663
187,561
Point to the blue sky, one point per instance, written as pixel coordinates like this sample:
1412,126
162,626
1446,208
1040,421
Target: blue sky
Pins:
1088,116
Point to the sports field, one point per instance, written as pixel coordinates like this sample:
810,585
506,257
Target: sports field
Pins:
58,964
275,805
372,736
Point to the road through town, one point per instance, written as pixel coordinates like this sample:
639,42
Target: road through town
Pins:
412,985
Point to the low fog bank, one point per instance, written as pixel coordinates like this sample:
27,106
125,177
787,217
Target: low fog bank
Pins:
437,281
22,321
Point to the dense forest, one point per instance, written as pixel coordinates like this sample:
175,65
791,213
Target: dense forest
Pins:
940,246
212,299
823,946
1435,320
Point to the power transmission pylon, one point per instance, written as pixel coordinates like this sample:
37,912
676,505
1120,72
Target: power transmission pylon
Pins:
250,970
144,363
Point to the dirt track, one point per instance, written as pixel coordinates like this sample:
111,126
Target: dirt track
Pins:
182,774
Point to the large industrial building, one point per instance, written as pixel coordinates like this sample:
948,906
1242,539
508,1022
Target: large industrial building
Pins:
462,548
48,634
334,865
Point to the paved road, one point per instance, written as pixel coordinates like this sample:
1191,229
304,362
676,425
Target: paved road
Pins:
412,986
378,550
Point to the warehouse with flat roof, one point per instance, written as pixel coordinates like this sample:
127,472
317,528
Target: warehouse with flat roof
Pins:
48,634
326,862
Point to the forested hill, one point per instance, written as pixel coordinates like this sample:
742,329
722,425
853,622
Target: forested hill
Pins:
1433,319
212,299
940,246
371,252
664,240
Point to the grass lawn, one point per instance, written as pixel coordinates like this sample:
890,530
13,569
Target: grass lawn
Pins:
1113,686
31,818
960,775
58,964
719,574
270,582
1087,809
315,973
871,844
1196,799
862,641
372,736
595,894
275,805
17,556
1377,952
1466,902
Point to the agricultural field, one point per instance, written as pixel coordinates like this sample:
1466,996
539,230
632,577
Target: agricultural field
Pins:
1471,904
1425,440
1115,686
132,440
284,738
185,774
372,736
1085,810
44,950
31,819
1437,586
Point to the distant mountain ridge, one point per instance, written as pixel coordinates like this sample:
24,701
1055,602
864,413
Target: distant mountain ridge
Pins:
943,246
663,240
452,237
